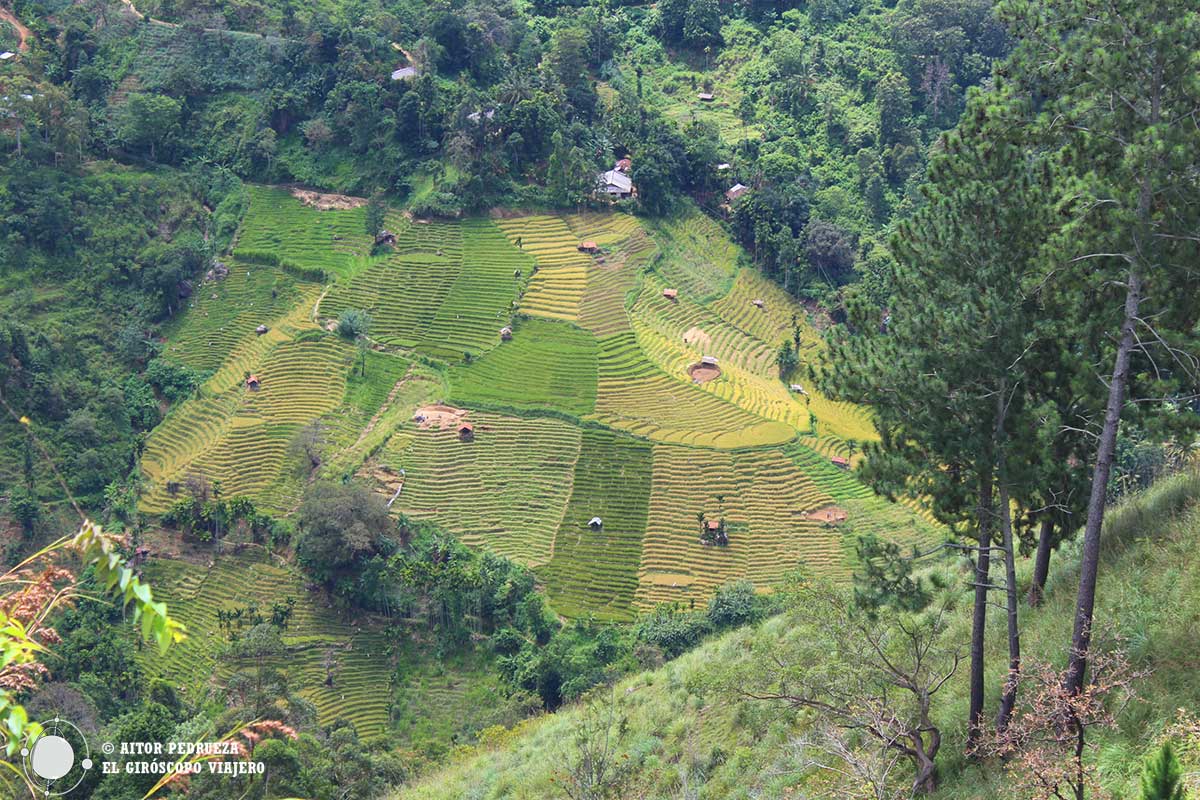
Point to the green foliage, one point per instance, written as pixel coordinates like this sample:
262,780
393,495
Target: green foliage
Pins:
786,359
339,528
147,122
376,211
20,637
1162,775
174,381
353,323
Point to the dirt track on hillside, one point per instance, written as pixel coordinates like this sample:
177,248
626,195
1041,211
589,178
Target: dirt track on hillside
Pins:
23,33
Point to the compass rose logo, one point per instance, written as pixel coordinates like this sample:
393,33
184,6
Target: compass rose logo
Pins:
51,758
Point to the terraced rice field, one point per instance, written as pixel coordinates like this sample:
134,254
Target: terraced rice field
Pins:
241,437
763,499
547,364
506,490
589,410
556,289
446,289
636,396
404,290
698,259
594,570
194,595
223,314
334,241
479,302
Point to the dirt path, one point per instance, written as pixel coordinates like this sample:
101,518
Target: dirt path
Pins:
23,33
391,398
132,9
139,15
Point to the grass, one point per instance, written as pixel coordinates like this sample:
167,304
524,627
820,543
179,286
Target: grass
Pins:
547,364
367,393
594,571
677,723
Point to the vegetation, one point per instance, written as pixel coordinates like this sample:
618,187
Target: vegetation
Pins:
444,365
692,725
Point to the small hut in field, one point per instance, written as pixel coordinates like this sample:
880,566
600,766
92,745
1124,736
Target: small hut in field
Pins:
466,432
505,333
253,383
588,247
671,294
706,97
841,462
595,523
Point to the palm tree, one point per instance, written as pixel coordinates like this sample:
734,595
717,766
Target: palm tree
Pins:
515,87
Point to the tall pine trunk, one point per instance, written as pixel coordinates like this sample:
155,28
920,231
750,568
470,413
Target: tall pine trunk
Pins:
1041,563
1008,695
979,615
1081,637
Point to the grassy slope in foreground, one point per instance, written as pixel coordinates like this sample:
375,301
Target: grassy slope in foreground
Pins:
677,725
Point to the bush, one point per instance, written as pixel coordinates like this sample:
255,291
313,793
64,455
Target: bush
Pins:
673,632
174,381
353,323
735,604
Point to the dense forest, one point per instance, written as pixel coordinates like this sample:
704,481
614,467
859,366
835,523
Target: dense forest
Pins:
974,225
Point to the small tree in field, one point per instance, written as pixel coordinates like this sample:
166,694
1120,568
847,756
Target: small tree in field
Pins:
1162,776
786,359
873,677
597,769
353,324
376,211
1046,743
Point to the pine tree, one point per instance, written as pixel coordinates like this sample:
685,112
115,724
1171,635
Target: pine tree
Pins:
1117,97
1161,775
950,378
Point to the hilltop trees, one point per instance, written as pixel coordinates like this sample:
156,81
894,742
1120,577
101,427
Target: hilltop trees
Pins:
1057,243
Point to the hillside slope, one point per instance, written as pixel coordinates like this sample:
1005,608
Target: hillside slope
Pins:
688,739
604,384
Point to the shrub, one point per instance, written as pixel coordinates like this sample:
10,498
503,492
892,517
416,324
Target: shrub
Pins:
353,323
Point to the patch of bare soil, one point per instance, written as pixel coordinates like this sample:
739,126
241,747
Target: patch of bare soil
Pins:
23,33
697,338
327,202
438,417
386,478
829,514
703,373
500,212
